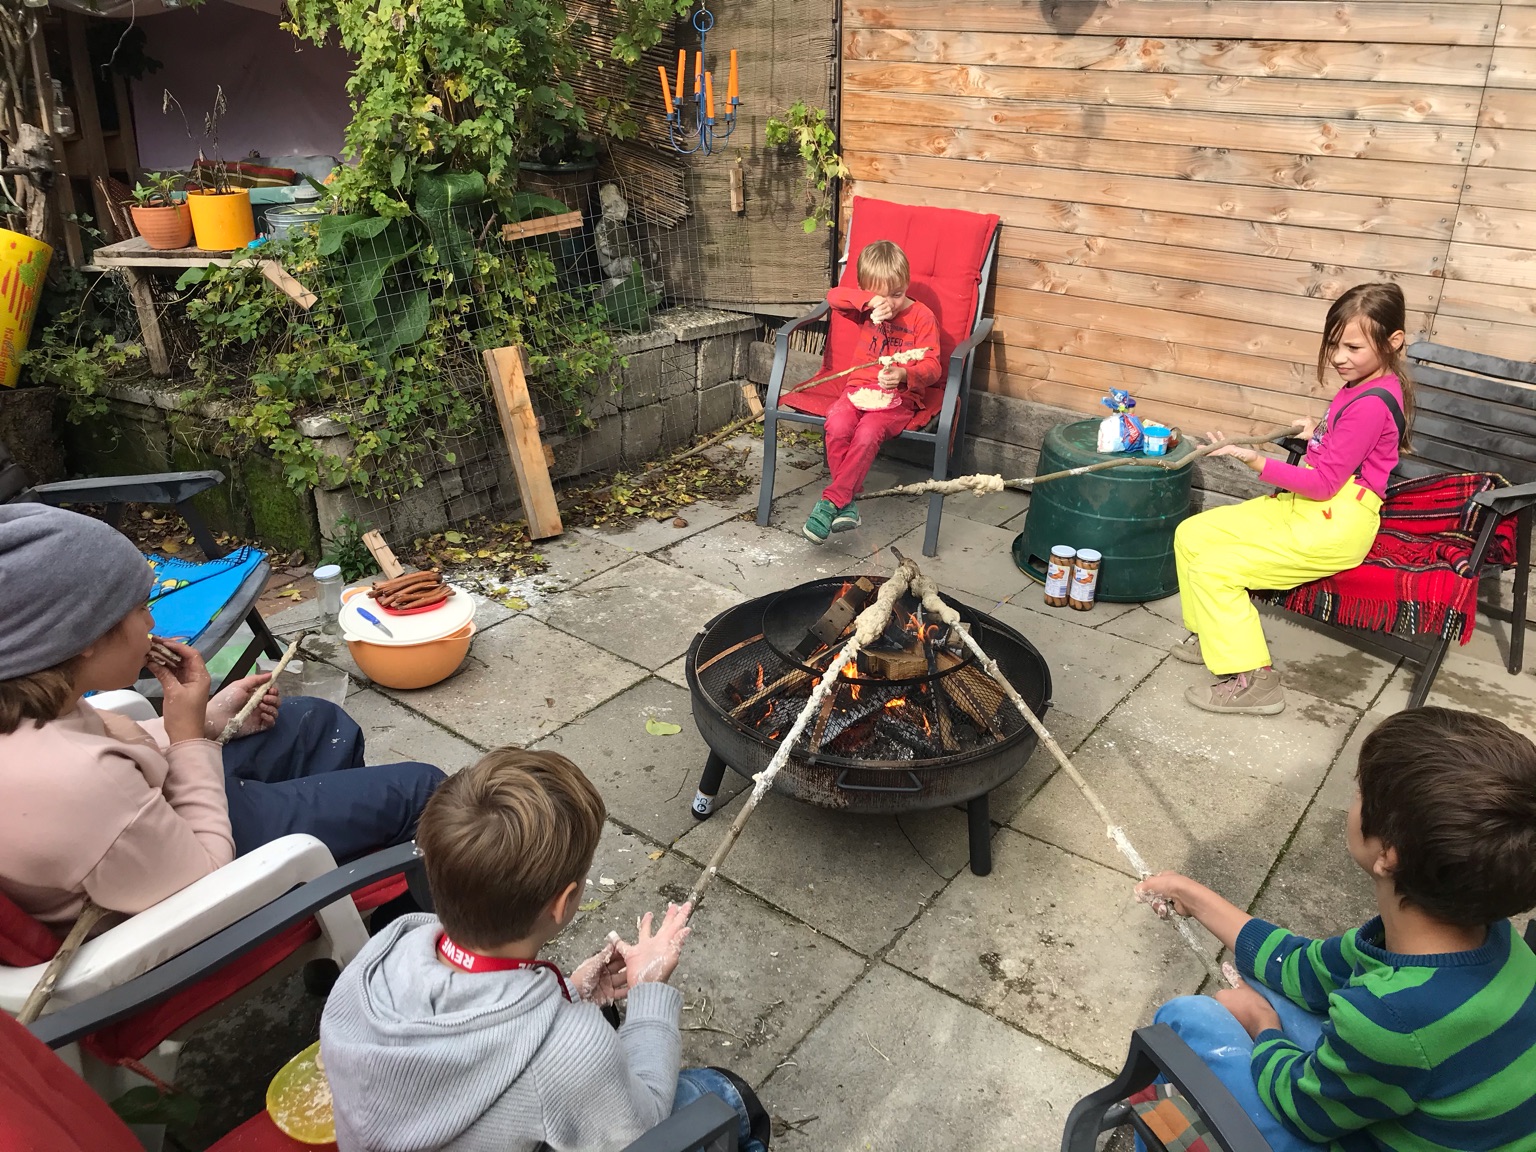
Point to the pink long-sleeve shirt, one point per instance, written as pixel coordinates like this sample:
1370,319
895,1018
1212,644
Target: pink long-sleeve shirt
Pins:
913,327
1362,442
94,804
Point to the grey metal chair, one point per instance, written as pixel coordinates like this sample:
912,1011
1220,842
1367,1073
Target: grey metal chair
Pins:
946,431
173,489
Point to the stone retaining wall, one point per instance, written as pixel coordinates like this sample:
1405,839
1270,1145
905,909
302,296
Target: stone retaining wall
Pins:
682,378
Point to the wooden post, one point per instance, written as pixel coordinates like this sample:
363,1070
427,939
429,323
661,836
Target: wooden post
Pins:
383,554
286,284
520,428
738,189
88,120
63,190
149,319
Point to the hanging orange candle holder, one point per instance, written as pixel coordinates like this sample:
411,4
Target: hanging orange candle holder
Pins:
706,130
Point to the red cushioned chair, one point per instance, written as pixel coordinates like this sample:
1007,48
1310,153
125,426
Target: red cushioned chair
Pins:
951,254
46,1107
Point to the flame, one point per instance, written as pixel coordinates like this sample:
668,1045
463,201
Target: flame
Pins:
763,719
775,735
759,674
927,727
899,702
843,591
850,672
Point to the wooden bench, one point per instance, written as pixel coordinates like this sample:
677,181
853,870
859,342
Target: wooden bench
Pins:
1476,413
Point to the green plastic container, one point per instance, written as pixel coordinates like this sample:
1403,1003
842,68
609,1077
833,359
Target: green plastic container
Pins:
1128,514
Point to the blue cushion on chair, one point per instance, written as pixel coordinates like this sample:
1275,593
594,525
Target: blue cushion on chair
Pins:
188,596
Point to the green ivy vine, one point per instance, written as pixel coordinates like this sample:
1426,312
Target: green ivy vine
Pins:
809,131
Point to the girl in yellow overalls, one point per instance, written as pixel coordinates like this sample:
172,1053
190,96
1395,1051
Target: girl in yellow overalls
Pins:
1321,524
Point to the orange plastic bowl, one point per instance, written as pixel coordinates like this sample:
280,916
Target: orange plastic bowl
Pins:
413,665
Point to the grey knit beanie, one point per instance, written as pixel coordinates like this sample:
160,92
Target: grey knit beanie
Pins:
66,580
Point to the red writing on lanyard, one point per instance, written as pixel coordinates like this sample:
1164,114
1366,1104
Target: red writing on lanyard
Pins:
466,961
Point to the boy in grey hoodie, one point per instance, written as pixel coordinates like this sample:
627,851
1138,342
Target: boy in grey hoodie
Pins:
447,1032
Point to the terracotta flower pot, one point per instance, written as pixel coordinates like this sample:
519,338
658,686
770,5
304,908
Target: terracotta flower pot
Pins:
166,226
222,221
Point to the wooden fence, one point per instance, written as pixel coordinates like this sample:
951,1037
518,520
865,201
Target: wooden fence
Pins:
1184,186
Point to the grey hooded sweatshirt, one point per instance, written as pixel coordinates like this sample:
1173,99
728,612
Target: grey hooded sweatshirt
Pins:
423,1056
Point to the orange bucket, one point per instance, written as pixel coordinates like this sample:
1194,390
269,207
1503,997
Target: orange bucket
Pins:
23,264
222,221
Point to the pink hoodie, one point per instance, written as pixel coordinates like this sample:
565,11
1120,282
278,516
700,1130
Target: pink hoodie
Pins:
94,804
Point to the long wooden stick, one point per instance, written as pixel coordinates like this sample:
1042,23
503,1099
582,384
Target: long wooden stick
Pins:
867,628
928,591
982,484
240,717
90,912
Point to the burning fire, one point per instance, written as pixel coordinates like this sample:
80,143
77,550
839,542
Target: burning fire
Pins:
759,674
920,630
893,705
851,673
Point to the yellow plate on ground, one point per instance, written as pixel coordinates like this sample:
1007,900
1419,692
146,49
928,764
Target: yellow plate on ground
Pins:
299,1099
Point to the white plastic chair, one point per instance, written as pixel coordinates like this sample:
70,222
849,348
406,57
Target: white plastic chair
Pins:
201,909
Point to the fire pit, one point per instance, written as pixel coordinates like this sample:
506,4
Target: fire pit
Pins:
917,725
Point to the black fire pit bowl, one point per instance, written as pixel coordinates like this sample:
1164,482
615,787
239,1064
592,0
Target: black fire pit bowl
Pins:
735,640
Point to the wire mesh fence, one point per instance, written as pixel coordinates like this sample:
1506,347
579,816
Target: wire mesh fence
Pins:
589,276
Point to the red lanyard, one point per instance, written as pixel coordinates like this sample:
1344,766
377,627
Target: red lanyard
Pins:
466,961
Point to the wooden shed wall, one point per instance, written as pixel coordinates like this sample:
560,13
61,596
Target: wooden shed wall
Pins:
1184,186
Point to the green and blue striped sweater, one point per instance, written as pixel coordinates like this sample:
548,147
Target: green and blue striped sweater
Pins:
1419,1053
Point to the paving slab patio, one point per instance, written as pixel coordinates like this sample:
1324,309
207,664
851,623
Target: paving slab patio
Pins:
880,994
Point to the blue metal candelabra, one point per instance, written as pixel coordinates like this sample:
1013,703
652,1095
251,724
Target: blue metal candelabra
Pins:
708,130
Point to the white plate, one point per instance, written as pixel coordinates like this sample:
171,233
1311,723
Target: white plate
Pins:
455,612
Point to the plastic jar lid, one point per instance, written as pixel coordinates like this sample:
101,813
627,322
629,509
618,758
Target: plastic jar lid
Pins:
1089,555
328,572
1063,551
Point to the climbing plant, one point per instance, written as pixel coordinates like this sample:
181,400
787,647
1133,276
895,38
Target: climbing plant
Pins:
809,131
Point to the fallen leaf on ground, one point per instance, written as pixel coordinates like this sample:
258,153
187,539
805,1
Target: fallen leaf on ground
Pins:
292,594
654,855
661,728
588,906
516,603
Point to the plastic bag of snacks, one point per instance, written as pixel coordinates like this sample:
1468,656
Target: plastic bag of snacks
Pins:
1122,431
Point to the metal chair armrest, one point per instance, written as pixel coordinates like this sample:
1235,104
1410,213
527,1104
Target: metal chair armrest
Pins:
1156,1051
151,488
781,349
962,351
1507,500
78,1020
706,1120
1294,446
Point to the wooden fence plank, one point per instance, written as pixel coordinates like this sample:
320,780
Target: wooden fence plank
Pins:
1492,302
1232,269
1513,67
1298,59
1403,103
1387,23
1514,341
1306,134
1484,224
1180,288
1500,188
1504,148
1508,108
1488,264
520,427
1396,253
1441,183
1417,218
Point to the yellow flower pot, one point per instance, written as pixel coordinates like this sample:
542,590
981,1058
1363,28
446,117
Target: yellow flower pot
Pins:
23,264
222,221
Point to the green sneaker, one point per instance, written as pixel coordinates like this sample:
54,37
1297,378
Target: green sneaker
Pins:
846,518
819,522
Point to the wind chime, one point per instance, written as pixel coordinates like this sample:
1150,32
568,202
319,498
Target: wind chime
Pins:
707,130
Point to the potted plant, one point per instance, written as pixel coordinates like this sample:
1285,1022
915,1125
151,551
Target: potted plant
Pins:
222,219
160,219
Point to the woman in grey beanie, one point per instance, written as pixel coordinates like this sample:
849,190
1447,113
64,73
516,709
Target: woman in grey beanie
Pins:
92,804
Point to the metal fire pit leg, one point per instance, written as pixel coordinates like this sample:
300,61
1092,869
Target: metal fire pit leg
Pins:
709,787
978,813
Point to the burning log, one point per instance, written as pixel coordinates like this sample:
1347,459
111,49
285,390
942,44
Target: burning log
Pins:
973,693
829,629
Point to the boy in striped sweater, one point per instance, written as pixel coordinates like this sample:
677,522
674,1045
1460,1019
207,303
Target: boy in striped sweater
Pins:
1416,1032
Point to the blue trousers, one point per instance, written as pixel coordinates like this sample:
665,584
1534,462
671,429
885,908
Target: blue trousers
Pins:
306,774
1227,1049
695,1082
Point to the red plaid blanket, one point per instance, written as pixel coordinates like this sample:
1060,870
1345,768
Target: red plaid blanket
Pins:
1416,579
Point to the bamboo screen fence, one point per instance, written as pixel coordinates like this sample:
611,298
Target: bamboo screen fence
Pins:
1185,186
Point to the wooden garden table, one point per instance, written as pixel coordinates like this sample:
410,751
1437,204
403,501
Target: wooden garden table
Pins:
135,259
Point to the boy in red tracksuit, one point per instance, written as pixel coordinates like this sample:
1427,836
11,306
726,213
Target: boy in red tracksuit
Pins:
876,402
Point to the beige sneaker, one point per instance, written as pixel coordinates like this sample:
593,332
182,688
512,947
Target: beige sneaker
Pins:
1188,650
1251,693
